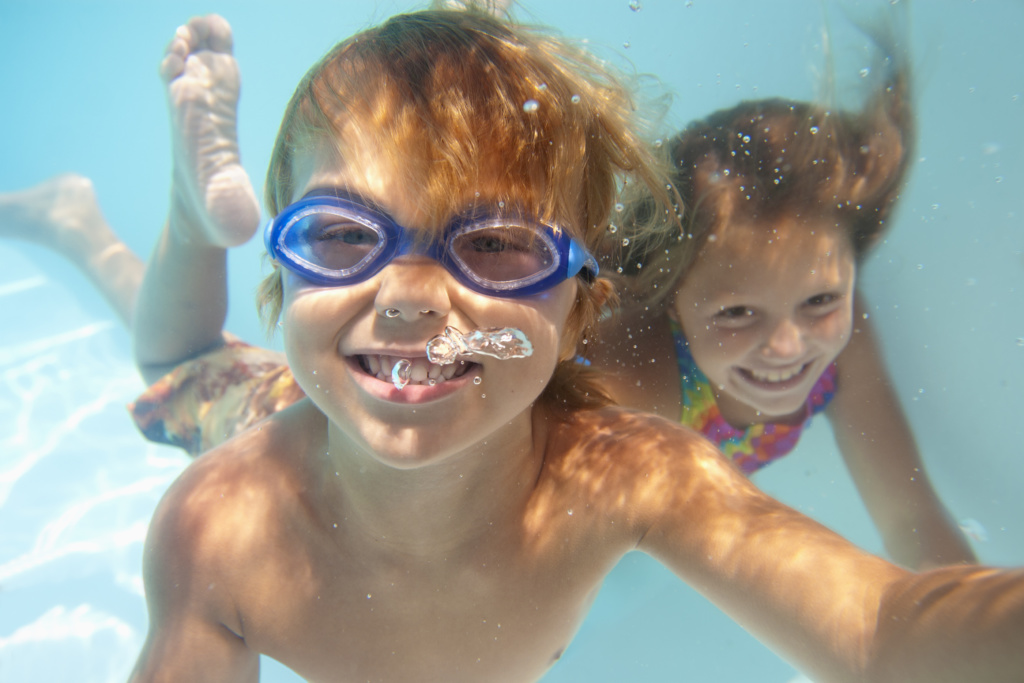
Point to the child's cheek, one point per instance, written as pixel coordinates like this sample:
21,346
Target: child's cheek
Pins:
837,326
309,324
726,337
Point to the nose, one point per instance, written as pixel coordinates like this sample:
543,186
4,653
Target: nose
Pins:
785,341
412,288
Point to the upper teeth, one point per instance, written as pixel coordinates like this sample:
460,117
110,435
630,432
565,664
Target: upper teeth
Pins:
775,375
421,370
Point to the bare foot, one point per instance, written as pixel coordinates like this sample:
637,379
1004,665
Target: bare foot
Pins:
62,214
212,191
496,7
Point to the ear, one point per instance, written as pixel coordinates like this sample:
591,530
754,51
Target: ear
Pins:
670,311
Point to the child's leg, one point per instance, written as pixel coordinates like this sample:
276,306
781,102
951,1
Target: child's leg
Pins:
62,214
183,301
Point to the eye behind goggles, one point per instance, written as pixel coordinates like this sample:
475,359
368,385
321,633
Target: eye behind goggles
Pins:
337,240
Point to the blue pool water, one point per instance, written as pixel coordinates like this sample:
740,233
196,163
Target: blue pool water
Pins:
78,484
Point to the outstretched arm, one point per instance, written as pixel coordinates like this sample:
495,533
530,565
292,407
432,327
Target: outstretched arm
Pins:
880,452
183,302
951,624
834,611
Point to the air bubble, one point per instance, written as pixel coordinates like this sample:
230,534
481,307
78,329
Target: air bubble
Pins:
401,373
531,106
612,228
814,130
619,207
865,72
501,343
575,99
635,5
478,379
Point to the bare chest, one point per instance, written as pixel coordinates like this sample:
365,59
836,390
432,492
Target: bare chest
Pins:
330,617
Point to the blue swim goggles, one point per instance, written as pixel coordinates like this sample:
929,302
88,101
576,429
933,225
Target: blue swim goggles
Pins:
336,240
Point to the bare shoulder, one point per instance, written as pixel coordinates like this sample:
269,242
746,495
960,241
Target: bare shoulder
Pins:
634,466
609,435
220,517
207,529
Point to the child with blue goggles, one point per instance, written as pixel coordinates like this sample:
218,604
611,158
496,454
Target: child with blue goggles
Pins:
377,549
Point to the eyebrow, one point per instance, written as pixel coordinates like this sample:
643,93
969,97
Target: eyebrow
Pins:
504,208
342,193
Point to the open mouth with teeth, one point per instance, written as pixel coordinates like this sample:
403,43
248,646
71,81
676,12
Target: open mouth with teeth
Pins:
775,379
421,371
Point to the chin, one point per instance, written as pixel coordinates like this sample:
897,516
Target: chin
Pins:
778,410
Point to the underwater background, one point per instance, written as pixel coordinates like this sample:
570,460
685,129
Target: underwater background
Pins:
78,483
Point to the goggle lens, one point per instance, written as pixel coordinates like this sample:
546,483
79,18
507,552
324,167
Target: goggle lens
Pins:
336,240
504,255
333,241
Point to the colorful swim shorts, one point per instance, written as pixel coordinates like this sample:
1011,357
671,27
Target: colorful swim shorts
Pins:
207,400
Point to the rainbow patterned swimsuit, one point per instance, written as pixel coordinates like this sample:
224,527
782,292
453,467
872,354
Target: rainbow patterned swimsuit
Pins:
757,445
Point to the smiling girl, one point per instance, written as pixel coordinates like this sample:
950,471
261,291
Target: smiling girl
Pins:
756,300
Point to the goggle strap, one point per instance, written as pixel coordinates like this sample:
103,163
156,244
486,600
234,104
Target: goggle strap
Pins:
268,232
580,259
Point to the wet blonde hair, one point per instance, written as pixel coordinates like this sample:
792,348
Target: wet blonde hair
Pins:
442,94
767,159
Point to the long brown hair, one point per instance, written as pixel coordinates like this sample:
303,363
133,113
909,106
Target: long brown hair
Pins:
764,159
